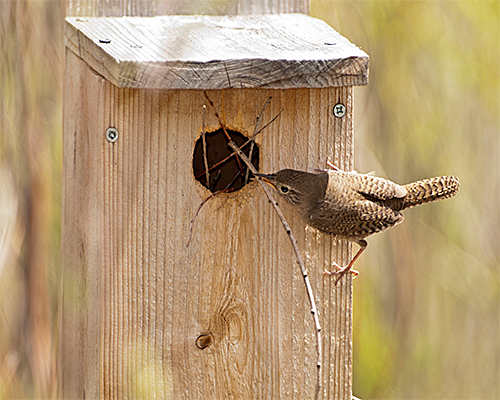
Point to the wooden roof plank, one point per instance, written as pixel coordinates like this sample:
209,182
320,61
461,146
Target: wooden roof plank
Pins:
217,52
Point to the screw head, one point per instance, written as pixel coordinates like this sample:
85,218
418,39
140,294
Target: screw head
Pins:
112,135
339,110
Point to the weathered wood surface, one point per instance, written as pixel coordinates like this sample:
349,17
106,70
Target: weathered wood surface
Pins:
136,299
145,8
217,52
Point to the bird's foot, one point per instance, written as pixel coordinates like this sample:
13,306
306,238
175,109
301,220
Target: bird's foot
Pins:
341,272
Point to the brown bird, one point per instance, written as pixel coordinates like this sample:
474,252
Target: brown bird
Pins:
352,206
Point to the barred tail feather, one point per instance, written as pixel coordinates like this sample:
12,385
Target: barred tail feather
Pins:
427,190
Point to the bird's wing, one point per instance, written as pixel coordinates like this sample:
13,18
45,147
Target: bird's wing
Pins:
375,188
356,219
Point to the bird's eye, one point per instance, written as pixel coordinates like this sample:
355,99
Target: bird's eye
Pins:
284,189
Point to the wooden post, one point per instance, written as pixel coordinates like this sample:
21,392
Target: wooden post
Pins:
144,315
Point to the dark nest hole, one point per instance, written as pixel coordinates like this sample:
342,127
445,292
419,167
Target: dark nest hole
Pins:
225,171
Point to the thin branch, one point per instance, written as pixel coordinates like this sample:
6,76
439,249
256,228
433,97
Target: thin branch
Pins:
227,189
303,270
270,122
255,134
222,126
293,241
243,145
225,159
216,179
198,211
204,141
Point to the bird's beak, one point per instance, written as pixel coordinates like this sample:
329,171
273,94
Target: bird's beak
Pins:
267,178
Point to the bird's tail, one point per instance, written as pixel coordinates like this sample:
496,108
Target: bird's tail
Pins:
427,190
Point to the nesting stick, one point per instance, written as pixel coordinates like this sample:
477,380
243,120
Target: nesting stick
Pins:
303,270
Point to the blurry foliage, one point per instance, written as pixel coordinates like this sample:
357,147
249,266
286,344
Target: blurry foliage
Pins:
426,304
31,54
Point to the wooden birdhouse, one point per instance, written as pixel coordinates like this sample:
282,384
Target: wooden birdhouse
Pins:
155,305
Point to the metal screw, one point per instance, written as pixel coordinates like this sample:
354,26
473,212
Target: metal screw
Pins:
339,110
112,135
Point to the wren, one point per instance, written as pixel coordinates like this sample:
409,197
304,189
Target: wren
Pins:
353,206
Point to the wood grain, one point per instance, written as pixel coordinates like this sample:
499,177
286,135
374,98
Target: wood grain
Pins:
217,52
136,298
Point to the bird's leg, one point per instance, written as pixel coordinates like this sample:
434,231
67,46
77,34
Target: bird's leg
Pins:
342,271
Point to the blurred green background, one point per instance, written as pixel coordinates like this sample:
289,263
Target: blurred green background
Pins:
426,304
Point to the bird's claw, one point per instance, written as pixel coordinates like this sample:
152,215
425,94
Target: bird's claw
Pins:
341,272
326,272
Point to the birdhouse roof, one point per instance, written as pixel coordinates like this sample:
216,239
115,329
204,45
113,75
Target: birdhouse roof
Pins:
217,52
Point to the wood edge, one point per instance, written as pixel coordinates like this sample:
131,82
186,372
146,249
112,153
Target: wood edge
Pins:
305,81
93,55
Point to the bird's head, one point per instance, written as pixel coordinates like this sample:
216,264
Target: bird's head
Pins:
298,187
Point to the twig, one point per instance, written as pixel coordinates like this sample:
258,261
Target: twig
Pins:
222,125
224,159
243,145
214,182
255,134
205,160
198,211
270,122
293,241
227,189
303,270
